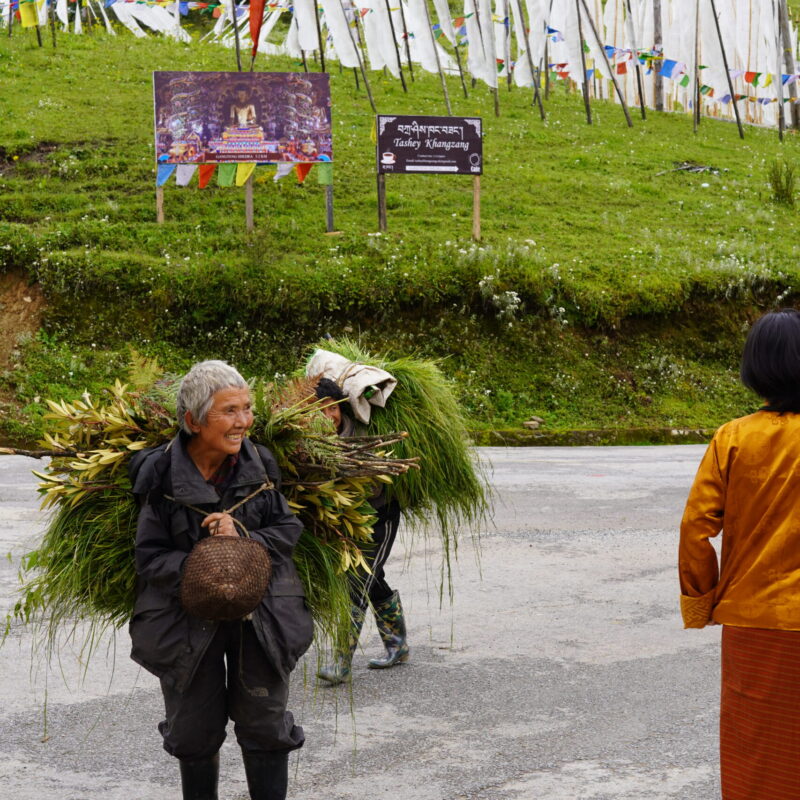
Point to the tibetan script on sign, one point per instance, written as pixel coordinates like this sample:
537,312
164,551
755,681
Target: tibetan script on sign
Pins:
430,144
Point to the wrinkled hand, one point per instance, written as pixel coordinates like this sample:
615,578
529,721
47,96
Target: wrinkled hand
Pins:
219,524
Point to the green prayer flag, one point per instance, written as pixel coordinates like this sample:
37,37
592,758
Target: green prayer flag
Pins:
226,174
324,172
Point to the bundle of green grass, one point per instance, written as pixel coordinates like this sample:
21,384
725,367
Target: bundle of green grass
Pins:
83,569
448,489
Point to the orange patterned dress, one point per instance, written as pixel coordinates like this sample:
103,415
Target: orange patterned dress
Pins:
748,487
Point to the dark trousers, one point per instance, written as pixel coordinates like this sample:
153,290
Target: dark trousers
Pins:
366,588
236,681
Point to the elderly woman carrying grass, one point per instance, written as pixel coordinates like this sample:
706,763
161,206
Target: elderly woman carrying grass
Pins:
211,480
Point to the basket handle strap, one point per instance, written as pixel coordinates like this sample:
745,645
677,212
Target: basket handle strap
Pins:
265,487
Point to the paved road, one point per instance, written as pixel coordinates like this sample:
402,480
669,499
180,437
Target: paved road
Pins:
560,672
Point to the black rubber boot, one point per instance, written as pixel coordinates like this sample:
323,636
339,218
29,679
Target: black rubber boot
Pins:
392,628
339,670
199,779
267,774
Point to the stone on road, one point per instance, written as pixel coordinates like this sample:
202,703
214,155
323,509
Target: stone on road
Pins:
559,672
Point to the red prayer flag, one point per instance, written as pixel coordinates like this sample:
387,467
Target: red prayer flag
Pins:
302,171
622,68
205,171
256,18
749,77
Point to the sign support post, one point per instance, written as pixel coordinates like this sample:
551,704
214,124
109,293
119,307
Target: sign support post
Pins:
476,208
329,208
248,203
160,205
381,202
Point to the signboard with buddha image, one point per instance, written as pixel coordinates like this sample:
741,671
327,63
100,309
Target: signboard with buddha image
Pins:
224,117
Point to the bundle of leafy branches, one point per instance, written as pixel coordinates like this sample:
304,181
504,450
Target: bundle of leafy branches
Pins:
83,569
449,487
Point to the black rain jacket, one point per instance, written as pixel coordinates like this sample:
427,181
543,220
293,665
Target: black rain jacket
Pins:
166,640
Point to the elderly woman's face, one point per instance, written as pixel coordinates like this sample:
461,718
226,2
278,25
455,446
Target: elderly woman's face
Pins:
229,418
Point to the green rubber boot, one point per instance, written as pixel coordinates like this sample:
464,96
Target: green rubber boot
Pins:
392,628
339,670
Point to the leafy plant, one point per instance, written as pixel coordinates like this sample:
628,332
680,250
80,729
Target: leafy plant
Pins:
783,180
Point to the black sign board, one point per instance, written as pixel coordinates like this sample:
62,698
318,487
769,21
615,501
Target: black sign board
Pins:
408,145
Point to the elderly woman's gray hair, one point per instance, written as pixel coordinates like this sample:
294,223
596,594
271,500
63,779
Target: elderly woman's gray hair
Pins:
200,384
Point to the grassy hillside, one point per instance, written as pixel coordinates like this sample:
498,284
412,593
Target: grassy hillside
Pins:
608,289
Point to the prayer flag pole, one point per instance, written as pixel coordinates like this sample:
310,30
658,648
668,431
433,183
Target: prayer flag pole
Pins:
358,58
53,21
727,70
405,39
696,89
438,61
584,82
658,80
639,79
779,74
536,93
617,88
319,37
396,47
789,62
236,36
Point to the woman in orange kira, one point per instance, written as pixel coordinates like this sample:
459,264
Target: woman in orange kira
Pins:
748,487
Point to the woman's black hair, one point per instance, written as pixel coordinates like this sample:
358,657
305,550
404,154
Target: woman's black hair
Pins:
328,388
771,360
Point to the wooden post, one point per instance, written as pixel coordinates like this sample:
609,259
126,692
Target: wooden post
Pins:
10,19
329,208
360,61
696,85
727,70
405,39
476,207
507,42
381,202
319,38
493,90
789,62
39,33
248,203
635,45
236,36
658,80
160,205
460,67
614,80
584,83
779,75
547,67
396,47
53,21
438,62
537,97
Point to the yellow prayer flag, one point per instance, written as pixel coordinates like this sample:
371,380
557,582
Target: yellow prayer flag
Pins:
29,13
243,172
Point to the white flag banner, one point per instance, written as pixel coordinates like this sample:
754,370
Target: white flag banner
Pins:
339,29
445,20
283,170
476,60
487,33
184,174
381,48
305,12
61,11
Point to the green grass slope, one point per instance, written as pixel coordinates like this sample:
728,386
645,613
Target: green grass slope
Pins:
608,290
